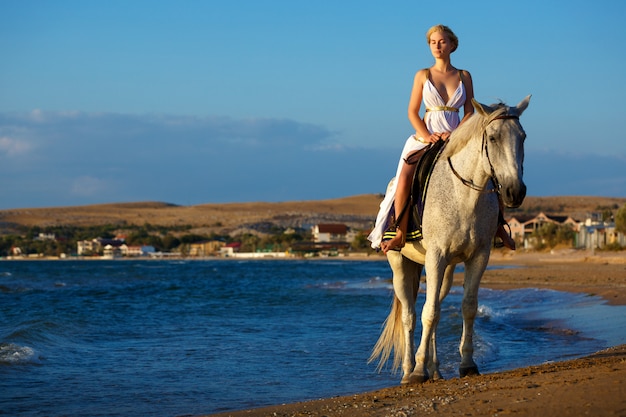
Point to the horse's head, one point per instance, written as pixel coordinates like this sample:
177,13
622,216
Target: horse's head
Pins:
503,146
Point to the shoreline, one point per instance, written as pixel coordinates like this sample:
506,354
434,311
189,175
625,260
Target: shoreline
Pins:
591,385
602,274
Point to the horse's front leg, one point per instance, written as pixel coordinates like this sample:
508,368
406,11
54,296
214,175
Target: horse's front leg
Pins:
433,361
474,270
430,316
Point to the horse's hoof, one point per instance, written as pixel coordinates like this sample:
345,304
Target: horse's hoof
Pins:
469,371
415,379
437,376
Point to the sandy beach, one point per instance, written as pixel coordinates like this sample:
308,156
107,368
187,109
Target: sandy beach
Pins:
590,386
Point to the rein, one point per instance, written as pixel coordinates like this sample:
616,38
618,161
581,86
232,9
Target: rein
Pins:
470,183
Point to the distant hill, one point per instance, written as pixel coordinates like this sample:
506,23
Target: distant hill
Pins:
356,211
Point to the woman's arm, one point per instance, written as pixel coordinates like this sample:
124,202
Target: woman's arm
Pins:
415,104
468,108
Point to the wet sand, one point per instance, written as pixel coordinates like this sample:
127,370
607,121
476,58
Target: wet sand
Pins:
590,386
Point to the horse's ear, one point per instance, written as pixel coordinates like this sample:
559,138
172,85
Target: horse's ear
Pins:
481,108
523,105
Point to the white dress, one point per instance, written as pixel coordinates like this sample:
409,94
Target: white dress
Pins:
437,119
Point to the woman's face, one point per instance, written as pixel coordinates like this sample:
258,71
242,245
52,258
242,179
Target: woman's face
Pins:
440,45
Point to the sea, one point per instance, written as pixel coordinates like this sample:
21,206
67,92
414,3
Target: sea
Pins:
195,337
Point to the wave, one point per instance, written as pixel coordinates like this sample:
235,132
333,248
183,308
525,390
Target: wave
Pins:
374,283
13,354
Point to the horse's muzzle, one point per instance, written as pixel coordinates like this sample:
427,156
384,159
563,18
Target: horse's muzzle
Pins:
513,196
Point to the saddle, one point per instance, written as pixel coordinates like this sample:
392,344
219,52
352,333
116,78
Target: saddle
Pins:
425,160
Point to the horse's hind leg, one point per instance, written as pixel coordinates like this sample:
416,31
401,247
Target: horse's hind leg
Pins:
406,276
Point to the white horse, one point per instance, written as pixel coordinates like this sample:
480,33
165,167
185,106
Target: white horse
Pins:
483,158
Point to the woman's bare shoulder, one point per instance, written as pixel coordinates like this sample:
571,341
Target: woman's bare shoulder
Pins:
465,73
422,74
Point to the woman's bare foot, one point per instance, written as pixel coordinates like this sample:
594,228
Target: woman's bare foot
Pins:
507,241
395,243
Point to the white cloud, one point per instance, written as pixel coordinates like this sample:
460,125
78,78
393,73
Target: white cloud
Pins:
37,115
13,147
332,147
81,158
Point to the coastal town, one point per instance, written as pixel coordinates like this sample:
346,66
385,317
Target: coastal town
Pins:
598,231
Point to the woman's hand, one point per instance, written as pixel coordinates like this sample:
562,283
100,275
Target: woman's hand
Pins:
436,137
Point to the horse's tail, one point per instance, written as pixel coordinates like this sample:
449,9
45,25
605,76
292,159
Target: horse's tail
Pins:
391,339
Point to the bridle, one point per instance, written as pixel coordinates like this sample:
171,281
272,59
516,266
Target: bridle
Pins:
470,183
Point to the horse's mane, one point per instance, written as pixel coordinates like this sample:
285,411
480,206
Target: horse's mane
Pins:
475,125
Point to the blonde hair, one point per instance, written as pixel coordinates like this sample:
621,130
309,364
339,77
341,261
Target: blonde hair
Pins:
446,31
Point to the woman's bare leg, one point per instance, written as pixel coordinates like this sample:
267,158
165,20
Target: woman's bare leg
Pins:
403,191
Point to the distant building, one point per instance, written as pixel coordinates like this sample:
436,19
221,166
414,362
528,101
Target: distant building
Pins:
134,251
45,236
328,238
591,234
111,251
522,227
330,232
518,227
230,249
205,248
598,234
95,246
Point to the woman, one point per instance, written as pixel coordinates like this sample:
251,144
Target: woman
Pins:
445,91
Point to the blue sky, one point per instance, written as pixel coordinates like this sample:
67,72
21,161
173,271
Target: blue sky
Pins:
192,102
